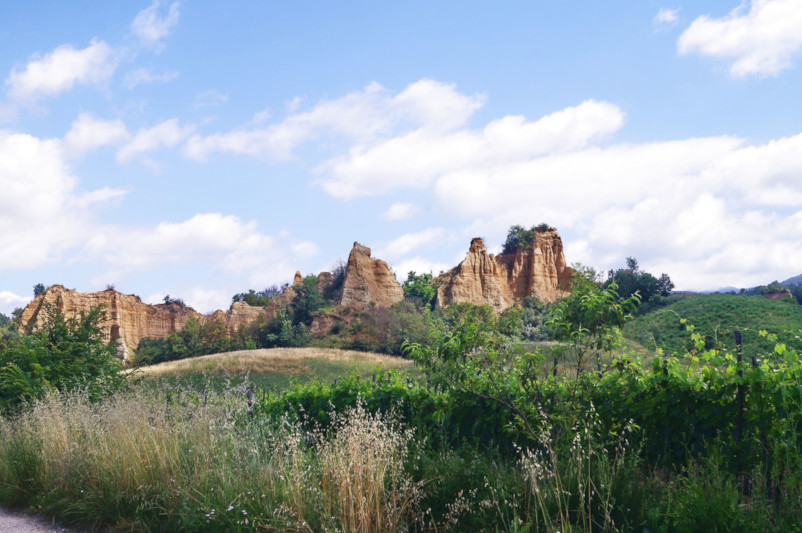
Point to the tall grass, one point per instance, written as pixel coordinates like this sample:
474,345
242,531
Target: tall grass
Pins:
173,460
141,462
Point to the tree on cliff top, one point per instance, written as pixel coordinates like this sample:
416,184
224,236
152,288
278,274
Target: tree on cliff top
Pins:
520,238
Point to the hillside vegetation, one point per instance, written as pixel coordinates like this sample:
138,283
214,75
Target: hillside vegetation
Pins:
716,317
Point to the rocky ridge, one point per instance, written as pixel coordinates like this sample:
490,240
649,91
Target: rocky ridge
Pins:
481,278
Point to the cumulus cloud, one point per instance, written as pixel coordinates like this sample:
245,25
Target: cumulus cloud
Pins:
42,212
419,265
141,76
704,200
10,301
166,134
400,211
89,133
151,25
701,200
416,158
761,41
411,241
362,117
60,70
224,242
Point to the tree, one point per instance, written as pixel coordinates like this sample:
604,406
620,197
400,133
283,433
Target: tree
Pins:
334,290
38,289
420,290
589,321
57,354
474,355
307,300
632,280
520,238
257,298
168,300
664,284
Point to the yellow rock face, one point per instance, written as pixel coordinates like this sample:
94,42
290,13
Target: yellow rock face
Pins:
502,280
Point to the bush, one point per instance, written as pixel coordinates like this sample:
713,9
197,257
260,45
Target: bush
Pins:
257,299
59,354
520,238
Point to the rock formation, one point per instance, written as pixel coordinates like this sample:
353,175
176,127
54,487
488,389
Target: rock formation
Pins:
779,295
504,279
128,319
368,280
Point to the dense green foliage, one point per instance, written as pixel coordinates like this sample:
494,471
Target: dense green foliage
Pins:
257,298
196,338
632,280
306,302
520,238
60,354
420,290
716,317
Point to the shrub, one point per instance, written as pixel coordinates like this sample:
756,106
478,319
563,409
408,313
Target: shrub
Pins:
58,354
520,238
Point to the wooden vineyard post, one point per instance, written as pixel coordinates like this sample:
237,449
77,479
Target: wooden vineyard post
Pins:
739,420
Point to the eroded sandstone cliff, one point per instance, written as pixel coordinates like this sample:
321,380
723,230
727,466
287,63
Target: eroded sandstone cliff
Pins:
368,280
128,319
504,279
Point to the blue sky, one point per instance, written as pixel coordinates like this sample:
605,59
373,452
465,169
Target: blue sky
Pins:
200,149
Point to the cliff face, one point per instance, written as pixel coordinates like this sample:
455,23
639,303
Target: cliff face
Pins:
368,280
502,280
128,319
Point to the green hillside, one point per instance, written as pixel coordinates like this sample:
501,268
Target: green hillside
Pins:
716,317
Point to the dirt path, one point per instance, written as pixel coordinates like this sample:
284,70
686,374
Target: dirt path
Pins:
24,523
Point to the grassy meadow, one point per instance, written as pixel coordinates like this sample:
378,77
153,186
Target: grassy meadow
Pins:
716,317
272,369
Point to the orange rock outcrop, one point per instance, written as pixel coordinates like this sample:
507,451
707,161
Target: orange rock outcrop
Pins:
502,280
128,319
368,280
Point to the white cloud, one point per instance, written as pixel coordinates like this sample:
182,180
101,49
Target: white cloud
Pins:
59,70
210,98
703,200
411,241
362,116
419,265
152,26
222,242
88,133
142,76
200,299
666,16
416,158
10,301
163,135
42,212
400,211
762,41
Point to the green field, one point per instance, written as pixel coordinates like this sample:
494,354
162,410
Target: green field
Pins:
272,369
716,317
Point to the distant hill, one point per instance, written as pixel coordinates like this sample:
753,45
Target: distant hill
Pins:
716,317
796,280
